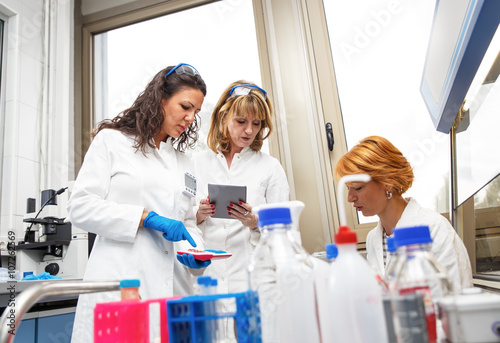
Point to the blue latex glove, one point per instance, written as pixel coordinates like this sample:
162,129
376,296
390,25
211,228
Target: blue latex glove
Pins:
173,230
41,276
191,262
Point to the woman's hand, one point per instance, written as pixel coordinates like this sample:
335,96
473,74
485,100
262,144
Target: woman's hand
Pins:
243,212
205,210
172,230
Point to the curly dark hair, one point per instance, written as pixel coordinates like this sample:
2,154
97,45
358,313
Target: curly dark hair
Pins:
144,118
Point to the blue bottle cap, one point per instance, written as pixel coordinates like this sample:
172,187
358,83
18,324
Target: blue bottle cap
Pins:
331,251
412,235
204,280
130,283
391,244
279,215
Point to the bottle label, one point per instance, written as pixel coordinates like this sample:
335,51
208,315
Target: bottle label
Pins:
430,314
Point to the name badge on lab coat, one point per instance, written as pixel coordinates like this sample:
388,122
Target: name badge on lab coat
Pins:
189,185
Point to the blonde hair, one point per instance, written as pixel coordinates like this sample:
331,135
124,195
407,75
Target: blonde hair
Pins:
380,159
253,104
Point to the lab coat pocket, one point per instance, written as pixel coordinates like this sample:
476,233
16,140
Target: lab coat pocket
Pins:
184,203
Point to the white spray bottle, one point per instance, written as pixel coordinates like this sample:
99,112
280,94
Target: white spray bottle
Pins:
355,298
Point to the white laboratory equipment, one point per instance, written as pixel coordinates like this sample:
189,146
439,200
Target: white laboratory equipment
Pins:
471,317
51,243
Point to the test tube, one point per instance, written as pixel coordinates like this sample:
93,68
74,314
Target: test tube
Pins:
130,289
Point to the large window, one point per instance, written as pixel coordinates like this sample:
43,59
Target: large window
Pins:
478,165
378,50
218,39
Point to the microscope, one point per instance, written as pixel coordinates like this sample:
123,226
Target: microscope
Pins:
51,244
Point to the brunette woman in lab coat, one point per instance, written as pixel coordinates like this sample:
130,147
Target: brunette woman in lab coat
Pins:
392,176
129,191
240,122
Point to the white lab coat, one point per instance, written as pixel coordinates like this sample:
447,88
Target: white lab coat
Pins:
114,185
447,246
266,183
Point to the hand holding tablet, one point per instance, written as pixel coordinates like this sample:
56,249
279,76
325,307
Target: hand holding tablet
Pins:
223,195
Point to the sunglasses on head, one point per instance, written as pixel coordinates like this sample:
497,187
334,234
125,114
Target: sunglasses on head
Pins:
245,89
183,68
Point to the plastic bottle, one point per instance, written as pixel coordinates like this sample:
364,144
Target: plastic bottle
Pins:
419,273
281,271
393,259
355,296
130,289
389,307
206,286
331,252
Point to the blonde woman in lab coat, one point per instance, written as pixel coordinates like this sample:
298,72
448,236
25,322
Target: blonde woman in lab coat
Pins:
240,122
129,191
392,176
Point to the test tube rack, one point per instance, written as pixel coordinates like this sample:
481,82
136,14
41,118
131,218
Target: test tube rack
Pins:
188,319
191,318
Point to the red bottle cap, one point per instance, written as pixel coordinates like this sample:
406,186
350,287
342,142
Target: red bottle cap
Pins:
345,235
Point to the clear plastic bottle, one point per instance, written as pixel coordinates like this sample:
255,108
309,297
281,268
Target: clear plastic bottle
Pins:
390,318
419,273
282,273
393,260
206,286
355,296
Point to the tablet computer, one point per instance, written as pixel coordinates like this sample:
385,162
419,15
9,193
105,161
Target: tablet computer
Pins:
222,195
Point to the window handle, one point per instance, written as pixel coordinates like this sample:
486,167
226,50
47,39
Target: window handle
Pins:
329,136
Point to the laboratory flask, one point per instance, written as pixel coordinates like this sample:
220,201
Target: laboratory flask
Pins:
282,273
357,312
419,273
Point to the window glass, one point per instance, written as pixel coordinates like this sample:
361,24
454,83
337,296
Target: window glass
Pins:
378,50
2,120
477,137
218,39
487,222
478,167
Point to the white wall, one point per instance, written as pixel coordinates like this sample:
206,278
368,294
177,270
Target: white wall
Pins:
37,105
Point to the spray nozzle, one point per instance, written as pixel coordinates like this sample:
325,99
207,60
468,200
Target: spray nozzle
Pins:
340,193
345,235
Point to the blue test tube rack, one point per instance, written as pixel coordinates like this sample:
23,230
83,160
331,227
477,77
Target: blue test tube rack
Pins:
189,322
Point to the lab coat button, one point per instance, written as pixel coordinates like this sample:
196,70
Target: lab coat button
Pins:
166,252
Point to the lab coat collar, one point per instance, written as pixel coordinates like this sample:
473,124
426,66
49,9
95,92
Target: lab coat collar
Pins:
243,152
410,212
166,153
169,144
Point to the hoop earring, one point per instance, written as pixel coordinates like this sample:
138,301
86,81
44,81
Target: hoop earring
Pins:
388,194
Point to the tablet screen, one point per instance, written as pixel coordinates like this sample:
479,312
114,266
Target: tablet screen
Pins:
222,195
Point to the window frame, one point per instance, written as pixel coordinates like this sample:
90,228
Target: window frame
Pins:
3,56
